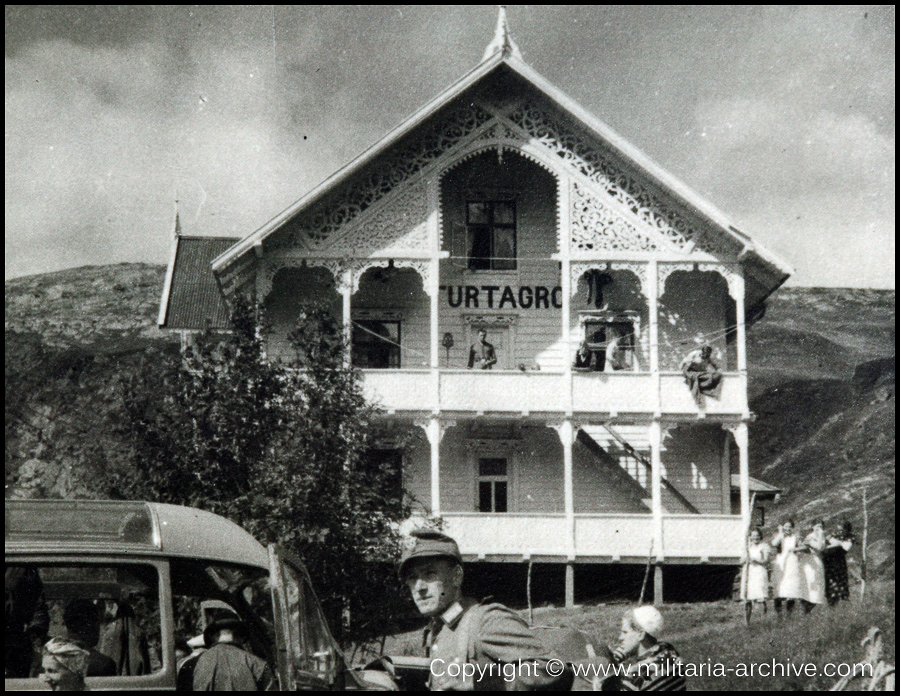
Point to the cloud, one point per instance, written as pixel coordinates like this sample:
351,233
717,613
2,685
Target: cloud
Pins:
781,116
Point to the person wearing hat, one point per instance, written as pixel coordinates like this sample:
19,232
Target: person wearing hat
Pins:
465,635
228,665
647,664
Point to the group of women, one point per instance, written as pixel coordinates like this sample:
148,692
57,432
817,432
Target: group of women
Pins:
810,570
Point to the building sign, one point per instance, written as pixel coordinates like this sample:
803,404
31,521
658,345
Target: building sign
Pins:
507,297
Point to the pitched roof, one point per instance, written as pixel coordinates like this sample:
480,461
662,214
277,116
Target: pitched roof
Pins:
191,297
508,60
761,488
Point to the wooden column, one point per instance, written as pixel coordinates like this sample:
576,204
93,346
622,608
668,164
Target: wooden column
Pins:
567,430
742,439
434,429
652,293
736,290
346,288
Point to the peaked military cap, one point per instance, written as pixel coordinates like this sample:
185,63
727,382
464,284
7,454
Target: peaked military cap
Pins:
427,543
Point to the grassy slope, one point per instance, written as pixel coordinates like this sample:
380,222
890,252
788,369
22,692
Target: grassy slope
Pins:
714,632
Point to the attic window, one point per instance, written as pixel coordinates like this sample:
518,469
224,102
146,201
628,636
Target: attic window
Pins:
491,235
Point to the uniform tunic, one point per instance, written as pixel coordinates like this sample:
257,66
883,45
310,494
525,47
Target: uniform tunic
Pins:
482,355
499,637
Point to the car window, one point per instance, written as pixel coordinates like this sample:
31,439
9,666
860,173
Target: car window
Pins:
206,592
110,609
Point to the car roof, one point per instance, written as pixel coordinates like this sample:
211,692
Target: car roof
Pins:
109,526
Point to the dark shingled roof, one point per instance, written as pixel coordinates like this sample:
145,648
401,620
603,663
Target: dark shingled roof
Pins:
194,300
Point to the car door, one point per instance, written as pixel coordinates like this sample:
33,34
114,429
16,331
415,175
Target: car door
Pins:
308,655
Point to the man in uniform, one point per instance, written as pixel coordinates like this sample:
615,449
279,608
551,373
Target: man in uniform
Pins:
472,646
482,354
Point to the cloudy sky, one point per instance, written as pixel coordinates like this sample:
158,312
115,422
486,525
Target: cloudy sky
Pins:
783,117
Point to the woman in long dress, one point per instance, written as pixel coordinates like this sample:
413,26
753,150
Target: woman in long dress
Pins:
837,580
812,567
755,577
787,580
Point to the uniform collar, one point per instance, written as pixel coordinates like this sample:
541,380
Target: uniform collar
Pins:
452,614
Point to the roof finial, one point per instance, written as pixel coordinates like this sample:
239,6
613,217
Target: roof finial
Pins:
176,227
502,41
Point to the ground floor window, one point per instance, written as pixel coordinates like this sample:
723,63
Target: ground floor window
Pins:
376,344
493,485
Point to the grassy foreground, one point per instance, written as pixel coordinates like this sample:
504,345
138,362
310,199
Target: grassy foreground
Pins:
714,632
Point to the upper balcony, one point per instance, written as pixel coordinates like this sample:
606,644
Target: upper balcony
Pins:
516,393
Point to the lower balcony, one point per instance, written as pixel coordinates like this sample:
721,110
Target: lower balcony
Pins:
514,392
598,537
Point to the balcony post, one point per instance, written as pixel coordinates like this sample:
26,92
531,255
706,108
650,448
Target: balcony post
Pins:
736,290
346,288
434,429
567,431
433,292
656,497
742,439
564,245
652,293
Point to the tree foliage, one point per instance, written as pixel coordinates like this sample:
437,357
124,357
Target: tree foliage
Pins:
278,448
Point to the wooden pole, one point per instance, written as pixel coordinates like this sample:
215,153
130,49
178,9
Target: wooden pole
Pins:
745,568
528,592
863,571
646,573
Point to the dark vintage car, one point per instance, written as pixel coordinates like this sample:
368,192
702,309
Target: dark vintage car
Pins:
154,572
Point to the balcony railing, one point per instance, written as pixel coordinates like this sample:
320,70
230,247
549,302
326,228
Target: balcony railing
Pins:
625,538
514,392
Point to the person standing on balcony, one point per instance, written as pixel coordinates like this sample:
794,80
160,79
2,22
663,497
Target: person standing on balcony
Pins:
482,354
472,646
702,374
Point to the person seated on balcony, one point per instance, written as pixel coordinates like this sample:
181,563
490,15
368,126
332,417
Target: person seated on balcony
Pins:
583,357
472,645
646,663
702,374
482,354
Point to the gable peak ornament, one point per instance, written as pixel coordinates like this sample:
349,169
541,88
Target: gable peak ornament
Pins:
502,42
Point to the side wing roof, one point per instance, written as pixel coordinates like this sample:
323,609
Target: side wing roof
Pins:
191,298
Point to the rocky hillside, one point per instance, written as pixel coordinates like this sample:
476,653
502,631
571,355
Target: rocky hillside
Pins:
821,365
